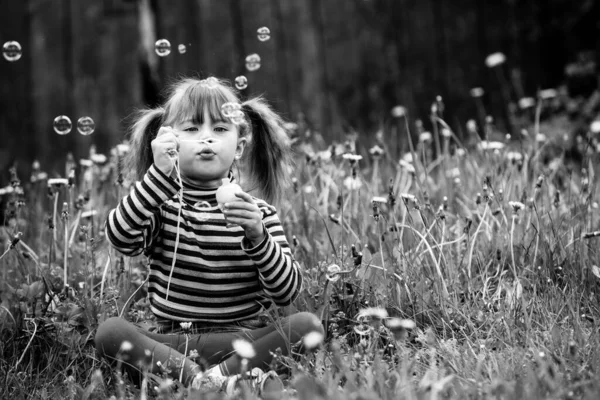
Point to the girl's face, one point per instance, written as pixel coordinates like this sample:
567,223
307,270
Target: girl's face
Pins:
206,164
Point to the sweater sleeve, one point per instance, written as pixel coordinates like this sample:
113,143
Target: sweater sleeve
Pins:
133,225
278,272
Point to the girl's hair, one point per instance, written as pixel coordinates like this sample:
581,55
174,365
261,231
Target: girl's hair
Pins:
268,150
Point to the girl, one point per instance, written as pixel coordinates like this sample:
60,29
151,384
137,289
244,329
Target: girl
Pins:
215,267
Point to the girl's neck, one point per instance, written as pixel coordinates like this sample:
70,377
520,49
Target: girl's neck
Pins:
203,184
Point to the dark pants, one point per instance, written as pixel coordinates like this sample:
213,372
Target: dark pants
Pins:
212,347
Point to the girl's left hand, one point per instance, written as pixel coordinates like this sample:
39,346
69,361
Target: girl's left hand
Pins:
246,214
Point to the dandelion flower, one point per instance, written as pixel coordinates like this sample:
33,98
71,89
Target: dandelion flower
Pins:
476,92
446,132
312,340
122,149
351,183
352,157
397,323
540,137
516,205
379,199
185,326
398,111
514,156
487,145
126,346
526,102
495,59
472,126
408,197
376,151
58,182
425,137
453,173
98,158
407,166
460,152
548,94
373,312
243,348
333,273
84,162
595,126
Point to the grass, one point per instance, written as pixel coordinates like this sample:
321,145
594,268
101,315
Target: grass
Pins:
490,250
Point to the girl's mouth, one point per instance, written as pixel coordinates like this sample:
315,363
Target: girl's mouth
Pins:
207,153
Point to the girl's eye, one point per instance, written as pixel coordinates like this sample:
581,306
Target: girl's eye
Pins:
191,129
220,129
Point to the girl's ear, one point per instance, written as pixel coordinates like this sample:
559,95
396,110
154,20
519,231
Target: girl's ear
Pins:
241,145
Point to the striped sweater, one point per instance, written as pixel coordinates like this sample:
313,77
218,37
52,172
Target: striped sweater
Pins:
218,276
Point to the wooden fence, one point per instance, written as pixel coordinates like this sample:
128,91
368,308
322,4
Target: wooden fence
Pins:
342,63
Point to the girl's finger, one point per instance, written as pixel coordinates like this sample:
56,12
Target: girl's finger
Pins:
245,196
237,205
245,214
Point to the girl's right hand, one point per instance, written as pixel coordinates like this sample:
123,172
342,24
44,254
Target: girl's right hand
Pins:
166,142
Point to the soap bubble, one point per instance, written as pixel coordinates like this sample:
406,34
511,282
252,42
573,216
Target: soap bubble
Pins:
237,117
182,49
332,274
227,109
241,82
253,62
263,34
86,126
12,51
62,125
162,47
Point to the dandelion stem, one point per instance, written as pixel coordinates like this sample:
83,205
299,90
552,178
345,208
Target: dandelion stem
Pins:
28,343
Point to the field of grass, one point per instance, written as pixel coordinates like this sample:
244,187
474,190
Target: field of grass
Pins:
451,269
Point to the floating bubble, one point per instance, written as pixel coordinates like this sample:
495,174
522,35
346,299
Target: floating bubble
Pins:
332,274
241,82
86,126
182,49
12,51
227,109
237,117
263,34
162,47
253,62
62,125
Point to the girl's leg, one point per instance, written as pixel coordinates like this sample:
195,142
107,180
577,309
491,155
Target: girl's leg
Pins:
214,348
281,334
114,331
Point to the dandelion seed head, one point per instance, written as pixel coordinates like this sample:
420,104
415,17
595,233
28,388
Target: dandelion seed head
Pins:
126,346
495,59
425,137
595,126
312,340
379,199
351,183
487,145
526,102
398,324
243,348
447,133
476,92
547,94
376,151
98,158
398,111
540,137
373,312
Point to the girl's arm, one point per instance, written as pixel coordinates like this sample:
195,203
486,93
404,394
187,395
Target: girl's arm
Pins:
278,272
133,225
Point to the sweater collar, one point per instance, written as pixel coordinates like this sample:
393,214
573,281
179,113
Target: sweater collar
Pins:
194,193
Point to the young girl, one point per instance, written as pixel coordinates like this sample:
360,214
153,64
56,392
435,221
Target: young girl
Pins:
218,267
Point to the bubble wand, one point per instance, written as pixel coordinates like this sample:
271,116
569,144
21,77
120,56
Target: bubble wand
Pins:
174,156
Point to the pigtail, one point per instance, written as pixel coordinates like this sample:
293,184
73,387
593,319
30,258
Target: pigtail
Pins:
269,160
143,131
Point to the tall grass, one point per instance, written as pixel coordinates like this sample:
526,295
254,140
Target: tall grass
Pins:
490,250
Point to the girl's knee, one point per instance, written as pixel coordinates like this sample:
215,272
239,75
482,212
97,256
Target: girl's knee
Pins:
305,322
112,333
